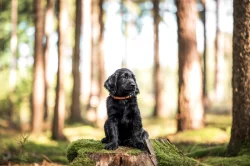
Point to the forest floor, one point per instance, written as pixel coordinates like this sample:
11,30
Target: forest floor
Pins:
207,145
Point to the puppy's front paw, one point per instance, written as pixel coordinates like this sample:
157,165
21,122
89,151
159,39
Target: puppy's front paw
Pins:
128,142
111,146
140,145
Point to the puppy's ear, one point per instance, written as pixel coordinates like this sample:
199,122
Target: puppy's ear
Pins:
110,83
137,91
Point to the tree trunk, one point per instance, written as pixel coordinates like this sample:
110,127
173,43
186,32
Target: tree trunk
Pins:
38,74
203,15
101,114
158,84
13,48
100,56
13,44
58,120
94,34
219,59
190,105
76,104
86,63
49,22
124,28
97,60
240,133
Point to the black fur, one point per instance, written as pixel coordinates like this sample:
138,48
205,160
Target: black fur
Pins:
123,126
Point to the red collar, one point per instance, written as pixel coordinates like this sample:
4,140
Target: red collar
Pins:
121,98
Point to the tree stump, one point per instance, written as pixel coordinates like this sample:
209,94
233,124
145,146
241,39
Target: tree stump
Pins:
92,153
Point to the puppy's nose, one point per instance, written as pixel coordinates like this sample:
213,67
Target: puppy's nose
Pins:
132,85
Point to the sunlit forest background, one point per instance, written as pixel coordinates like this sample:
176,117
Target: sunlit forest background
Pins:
42,109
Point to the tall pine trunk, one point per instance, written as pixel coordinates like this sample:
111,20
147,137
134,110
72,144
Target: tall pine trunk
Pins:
100,56
93,64
13,43
76,104
124,28
219,56
190,105
86,63
38,74
158,85
203,15
96,99
101,115
49,22
240,133
13,60
58,120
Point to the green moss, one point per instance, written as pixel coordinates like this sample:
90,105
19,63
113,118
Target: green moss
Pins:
83,145
245,149
205,135
78,151
212,151
168,154
243,160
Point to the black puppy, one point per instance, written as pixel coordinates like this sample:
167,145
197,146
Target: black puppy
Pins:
123,126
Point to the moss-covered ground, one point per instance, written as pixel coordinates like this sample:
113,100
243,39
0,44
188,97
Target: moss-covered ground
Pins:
207,146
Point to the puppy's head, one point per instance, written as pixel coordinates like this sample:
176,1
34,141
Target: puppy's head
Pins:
121,83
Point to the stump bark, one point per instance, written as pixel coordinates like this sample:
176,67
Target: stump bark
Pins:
122,159
92,153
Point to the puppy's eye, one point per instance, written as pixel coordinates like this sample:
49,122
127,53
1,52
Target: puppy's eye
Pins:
126,76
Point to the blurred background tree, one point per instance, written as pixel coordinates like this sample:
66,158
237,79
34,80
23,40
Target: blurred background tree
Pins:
38,88
190,99
48,32
75,114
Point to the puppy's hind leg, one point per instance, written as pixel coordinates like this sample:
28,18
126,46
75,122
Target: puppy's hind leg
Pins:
144,134
105,140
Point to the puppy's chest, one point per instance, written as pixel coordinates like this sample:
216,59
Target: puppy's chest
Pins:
124,107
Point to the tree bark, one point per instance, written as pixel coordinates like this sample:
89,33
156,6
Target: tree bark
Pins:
190,105
93,64
158,84
97,61
100,56
101,116
38,74
240,133
13,44
124,29
76,104
49,22
219,59
86,63
203,15
13,61
58,120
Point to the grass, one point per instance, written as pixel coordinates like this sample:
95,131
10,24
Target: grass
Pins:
34,150
206,145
